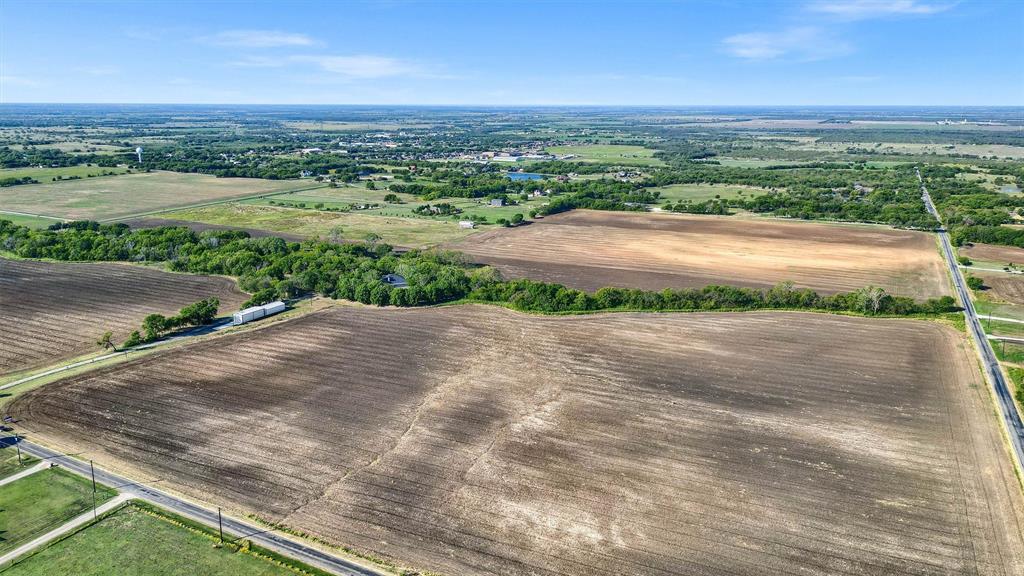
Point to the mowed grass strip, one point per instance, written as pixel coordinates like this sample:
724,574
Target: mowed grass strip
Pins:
40,502
9,463
128,194
136,541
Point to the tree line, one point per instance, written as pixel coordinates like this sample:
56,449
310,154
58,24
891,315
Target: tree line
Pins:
271,268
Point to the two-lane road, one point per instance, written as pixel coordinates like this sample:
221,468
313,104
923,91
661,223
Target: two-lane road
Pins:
993,373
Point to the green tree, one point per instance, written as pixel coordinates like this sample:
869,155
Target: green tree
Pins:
153,325
106,341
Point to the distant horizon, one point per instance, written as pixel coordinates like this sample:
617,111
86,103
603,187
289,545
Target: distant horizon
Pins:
514,105
548,54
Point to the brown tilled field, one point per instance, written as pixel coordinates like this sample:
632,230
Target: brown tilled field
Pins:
1003,287
52,311
475,440
994,253
589,250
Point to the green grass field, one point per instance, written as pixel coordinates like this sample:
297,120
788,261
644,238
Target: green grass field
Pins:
133,541
343,197
30,221
132,194
48,174
702,192
398,231
40,502
1001,309
9,462
610,154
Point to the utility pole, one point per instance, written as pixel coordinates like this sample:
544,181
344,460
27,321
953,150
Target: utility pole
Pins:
220,526
17,445
92,469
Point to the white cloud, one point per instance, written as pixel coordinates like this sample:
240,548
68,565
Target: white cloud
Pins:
361,65
801,43
257,39
866,9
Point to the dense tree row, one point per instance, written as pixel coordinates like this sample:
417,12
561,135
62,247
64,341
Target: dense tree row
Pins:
529,295
272,268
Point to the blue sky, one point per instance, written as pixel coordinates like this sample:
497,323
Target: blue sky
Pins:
827,52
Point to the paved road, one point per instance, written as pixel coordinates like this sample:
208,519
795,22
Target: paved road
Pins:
233,527
1007,409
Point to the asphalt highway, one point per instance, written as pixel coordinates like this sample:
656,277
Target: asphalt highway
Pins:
993,373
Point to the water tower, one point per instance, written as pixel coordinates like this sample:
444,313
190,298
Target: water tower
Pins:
138,151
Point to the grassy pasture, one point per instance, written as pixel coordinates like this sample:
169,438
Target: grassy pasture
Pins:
136,541
398,231
610,154
48,174
40,502
347,196
30,221
9,462
129,194
702,192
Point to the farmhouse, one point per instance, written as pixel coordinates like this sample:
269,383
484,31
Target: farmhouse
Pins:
497,201
394,280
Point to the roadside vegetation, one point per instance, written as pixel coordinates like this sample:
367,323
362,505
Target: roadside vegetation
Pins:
143,540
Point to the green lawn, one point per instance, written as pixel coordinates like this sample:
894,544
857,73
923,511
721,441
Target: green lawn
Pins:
30,221
610,154
702,192
48,174
1005,310
9,462
38,503
1009,352
132,541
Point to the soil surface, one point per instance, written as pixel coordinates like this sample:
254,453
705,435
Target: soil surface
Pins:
50,311
475,440
994,253
589,250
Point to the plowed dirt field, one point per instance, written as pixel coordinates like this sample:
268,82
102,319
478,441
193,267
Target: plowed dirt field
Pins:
475,440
